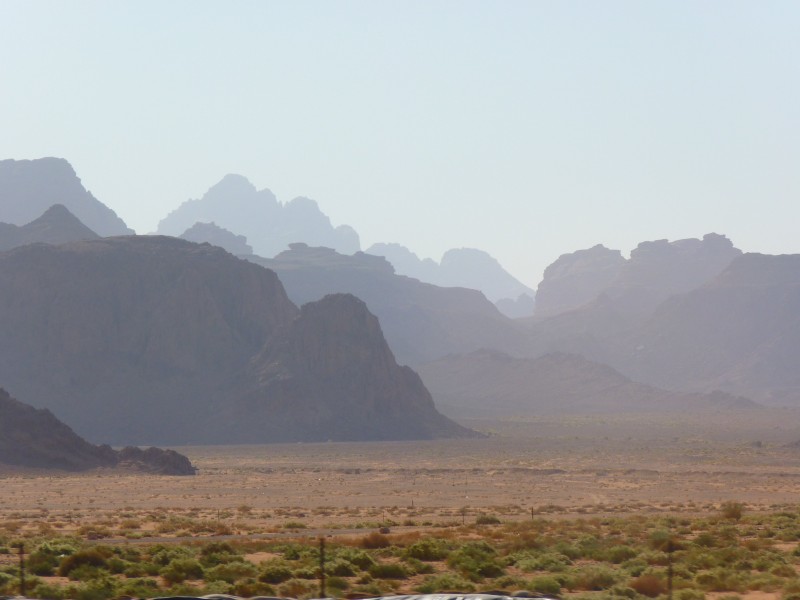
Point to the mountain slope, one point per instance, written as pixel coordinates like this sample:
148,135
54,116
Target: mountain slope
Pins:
493,384
56,226
151,339
420,321
35,438
29,187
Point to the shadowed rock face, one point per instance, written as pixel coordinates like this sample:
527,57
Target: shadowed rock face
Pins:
29,187
269,226
152,339
333,367
56,226
35,438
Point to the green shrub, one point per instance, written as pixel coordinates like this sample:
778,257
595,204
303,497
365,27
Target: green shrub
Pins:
648,585
275,572
483,519
619,554
428,549
90,557
181,569
545,585
230,572
388,571
732,510
446,582
590,579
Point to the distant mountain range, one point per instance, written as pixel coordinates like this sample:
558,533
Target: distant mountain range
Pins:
421,321
269,226
56,226
463,267
35,438
490,383
29,187
157,340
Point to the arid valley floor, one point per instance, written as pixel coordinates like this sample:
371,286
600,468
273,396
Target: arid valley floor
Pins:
554,465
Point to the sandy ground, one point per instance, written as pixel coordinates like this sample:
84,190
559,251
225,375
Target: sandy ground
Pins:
561,465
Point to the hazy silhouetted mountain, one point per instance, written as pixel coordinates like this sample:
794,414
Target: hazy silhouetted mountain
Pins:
520,308
56,226
217,236
461,267
739,333
32,437
493,384
421,321
655,271
153,339
576,279
29,187
269,226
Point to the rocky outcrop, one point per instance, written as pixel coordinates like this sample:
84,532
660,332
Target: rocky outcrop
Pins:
576,279
421,321
461,267
330,374
493,384
29,187
269,226
655,271
35,438
156,340
56,226
213,234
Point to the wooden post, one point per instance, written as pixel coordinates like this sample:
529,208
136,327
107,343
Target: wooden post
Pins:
322,567
22,570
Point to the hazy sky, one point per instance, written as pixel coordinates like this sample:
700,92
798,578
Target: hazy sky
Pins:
527,129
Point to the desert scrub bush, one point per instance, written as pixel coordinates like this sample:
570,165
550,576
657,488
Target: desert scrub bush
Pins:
545,585
689,594
444,583
89,557
340,568
163,555
230,572
294,525
375,540
181,569
593,578
337,585
428,549
297,588
476,561
648,585
358,558
620,554
388,571
484,519
549,562
274,571
731,510
418,567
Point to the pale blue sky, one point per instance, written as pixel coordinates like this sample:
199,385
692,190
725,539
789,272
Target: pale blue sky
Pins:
527,129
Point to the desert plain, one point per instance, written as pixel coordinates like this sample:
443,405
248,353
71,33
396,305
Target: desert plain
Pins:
559,465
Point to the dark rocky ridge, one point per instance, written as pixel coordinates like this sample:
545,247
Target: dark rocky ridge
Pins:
421,321
269,226
29,187
151,339
35,438
56,226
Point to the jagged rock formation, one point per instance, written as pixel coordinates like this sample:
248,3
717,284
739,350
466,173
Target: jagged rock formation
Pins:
29,187
521,308
35,438
269,226
493,384
152,339
462,267
421,321
56,226
576,279
215,235
655,271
